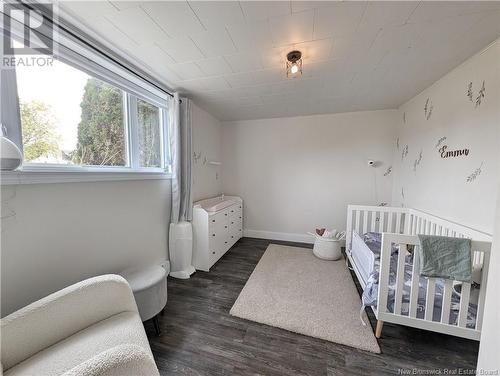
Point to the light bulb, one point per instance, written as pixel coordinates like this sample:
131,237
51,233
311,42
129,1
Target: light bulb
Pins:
294,68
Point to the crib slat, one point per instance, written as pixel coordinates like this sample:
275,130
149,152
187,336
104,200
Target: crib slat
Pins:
406,220
400,278
365,221
385,260
482,291
445,310
398,223
348,234
433,229
464,305
381,222
415,278
429,299
374,218
358,215
389,223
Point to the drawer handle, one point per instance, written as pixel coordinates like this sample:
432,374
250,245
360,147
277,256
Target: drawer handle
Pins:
213,220
225,214
213,234
225,226
225,242
213,253
232,237
232,223
240,217
232,211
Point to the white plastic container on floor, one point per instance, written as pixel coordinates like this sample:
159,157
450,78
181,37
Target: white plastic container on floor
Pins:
181,250
326,248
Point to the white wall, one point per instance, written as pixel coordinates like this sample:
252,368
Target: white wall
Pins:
56,234
490,335
488,350
207,181
438,185
295,174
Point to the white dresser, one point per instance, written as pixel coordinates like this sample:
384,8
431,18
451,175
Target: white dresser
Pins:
217,225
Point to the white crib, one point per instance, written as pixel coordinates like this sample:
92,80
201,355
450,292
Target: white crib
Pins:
400,226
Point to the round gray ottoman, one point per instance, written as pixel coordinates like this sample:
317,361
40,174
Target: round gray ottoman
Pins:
149,285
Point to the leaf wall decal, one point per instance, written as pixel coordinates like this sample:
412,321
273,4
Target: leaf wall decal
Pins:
470,94
428,108
481,95
475,174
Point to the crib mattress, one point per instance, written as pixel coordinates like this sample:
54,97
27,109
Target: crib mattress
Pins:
372,241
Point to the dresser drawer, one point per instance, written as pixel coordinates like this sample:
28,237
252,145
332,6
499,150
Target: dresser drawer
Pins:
235,211
234,224
218,228
218,218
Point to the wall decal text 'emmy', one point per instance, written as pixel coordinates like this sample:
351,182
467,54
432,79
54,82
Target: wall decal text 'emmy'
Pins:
445,153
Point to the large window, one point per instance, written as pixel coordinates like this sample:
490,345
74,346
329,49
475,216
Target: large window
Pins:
69,117
81,110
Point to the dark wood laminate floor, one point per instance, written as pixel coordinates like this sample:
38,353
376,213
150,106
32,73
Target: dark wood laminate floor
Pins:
199,337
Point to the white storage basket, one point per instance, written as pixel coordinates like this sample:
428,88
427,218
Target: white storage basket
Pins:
327,249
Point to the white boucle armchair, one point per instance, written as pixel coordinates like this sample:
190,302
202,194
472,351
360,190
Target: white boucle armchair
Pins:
88,329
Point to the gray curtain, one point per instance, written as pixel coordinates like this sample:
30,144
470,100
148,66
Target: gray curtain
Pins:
9,108
180,149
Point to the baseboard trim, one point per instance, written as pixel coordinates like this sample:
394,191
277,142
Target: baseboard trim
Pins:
284,236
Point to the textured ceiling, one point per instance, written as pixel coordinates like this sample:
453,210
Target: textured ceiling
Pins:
230,56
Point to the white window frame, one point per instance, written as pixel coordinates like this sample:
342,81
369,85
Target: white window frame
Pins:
33,173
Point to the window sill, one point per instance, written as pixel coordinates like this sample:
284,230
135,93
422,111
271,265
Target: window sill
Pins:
43,175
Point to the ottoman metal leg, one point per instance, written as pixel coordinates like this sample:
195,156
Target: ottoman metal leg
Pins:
156,324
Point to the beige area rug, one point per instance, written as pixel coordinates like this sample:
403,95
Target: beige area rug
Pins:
292,289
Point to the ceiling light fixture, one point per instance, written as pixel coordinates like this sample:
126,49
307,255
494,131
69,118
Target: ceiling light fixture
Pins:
294,64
